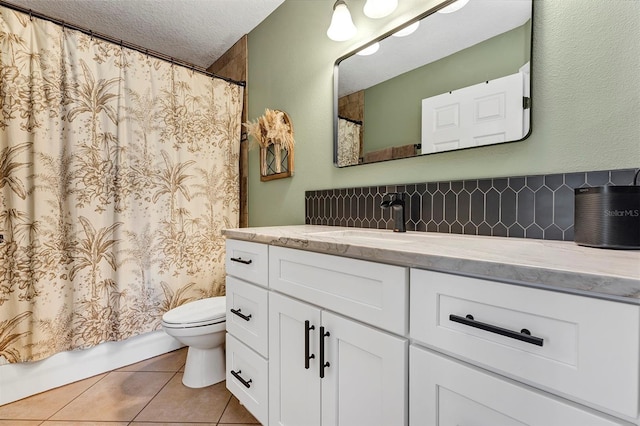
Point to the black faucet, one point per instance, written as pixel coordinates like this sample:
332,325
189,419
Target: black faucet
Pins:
396,202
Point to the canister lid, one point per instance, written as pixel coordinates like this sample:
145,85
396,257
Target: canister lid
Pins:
609,189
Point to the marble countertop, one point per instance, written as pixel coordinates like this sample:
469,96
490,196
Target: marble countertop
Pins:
556,265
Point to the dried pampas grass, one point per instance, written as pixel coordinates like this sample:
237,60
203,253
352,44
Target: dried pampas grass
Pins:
274,127
255,131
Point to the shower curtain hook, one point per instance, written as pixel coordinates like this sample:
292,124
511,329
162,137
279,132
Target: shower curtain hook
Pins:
91,34
30,15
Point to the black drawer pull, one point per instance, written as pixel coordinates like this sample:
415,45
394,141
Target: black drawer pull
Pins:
236,374
240,314
323,364
524,335
241,260
307,356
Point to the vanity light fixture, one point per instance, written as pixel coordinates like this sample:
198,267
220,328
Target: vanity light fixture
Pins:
407,30
453,7
379,8
369,50
341,27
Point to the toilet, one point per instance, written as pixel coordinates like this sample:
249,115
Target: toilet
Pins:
201,326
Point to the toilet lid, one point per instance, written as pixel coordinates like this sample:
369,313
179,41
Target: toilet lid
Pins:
199,311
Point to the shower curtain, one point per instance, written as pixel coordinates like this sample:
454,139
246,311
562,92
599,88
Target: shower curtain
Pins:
118,172
349,135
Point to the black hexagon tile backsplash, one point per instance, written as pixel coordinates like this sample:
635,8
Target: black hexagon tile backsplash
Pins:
539,206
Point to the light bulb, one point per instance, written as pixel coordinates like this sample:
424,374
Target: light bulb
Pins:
379,8
341,27
454,6
407,30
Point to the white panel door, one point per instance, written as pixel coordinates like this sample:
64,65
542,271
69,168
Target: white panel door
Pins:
482,114
365,382
294,390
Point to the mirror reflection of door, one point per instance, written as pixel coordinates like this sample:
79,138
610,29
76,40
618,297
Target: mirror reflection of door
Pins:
483,114
484,41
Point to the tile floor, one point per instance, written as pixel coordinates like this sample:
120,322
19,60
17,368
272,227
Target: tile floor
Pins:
149,393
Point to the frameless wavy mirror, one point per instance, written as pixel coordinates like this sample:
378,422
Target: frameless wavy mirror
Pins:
460,80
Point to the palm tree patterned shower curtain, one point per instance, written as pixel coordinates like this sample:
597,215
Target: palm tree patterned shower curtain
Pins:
118,172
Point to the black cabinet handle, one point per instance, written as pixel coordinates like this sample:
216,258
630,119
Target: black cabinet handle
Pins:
307,356
524,334
236,374
241,260
323,364
240,314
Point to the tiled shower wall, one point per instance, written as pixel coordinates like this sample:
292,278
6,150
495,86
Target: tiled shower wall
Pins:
539,206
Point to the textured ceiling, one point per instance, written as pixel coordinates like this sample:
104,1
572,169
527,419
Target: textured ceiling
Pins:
194,31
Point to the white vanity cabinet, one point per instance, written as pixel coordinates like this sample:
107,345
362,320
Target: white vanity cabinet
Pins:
329,340
326,368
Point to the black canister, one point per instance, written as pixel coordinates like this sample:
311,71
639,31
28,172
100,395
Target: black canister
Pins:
608,217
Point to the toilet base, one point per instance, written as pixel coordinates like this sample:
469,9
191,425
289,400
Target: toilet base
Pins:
204,367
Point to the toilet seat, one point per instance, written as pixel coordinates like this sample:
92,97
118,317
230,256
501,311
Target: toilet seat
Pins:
199,313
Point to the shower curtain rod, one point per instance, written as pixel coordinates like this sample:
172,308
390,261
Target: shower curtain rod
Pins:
121,43
350,120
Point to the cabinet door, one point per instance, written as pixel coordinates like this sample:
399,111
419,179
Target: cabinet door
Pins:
446,392
366,380
294,391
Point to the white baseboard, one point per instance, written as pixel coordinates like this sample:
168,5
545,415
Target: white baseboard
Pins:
21,380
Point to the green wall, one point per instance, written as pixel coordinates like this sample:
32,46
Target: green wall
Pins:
585,93
393,109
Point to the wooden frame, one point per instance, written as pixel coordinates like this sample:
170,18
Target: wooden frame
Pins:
268,163
276,158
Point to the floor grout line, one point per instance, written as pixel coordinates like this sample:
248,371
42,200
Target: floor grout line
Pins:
105,374
225,409
175,373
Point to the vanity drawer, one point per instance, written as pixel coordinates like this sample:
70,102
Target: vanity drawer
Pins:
371,292
250,382
446,392
248,261
588,348
247,314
